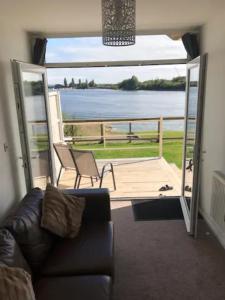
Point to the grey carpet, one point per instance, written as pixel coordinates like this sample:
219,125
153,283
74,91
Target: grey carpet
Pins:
159,261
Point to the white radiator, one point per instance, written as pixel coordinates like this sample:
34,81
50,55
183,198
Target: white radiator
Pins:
218,200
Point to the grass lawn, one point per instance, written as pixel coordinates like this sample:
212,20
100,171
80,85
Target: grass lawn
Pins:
172,149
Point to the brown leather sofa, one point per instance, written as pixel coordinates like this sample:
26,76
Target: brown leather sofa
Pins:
62,269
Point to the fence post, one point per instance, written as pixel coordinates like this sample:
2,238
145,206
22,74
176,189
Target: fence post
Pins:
104,140
161,137
130,132
158,130
102,133
74,134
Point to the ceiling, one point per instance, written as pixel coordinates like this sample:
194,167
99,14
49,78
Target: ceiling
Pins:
83,17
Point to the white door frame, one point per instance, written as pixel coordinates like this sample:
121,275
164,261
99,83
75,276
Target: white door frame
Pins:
191,214
17,69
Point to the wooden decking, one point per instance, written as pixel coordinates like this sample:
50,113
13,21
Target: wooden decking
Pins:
140,177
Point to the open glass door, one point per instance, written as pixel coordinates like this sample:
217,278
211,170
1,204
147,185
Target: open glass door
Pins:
192,143
32,106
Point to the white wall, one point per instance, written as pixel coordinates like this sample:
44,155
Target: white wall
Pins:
84,16
213,42
14,45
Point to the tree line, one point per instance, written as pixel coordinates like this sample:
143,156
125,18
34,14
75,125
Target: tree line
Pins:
175,84
79,85
131,84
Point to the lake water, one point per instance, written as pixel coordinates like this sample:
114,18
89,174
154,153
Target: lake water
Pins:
104,103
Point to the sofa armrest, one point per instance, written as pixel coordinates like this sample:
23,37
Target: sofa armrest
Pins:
97,208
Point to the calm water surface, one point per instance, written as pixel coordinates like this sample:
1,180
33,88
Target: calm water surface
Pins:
99,103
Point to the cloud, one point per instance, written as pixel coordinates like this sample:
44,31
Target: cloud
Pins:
52,55
91,49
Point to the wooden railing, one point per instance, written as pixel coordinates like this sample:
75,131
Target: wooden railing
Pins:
105,135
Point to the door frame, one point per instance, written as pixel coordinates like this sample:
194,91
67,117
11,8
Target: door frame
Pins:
191,215
17,68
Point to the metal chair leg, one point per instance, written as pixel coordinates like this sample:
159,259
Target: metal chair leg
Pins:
60,172
78,185
101,178
92,182
113,176
75,183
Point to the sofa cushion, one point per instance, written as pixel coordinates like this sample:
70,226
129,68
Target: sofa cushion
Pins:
73,288
61,213
97,204
89,253
15,283
10,253
24,224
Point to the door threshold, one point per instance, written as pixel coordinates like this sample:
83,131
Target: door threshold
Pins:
185,211
141,198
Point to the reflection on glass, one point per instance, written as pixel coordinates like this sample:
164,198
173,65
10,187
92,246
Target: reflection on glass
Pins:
192,108
37,127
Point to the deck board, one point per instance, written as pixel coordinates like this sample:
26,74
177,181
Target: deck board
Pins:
134,178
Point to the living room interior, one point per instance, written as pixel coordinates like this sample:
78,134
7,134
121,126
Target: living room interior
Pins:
151,259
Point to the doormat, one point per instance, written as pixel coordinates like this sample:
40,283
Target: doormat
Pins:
166,208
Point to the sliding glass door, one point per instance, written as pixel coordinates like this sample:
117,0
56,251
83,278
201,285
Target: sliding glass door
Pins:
192,144
32,106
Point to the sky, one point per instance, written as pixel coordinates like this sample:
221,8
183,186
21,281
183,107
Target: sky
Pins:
89,49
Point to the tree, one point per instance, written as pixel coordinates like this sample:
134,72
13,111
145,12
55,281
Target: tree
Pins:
59,86
179,79
72,84
65,83
130,84
134,83
82,85
92,84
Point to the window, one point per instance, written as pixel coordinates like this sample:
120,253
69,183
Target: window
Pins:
90,49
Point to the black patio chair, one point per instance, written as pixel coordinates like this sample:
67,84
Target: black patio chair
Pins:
86,166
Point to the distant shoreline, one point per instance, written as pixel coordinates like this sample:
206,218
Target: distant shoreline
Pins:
117,89
131,84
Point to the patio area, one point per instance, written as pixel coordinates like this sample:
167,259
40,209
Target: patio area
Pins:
139,177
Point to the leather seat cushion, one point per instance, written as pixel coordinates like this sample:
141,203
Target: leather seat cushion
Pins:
24,224
10,253
94,287
91,252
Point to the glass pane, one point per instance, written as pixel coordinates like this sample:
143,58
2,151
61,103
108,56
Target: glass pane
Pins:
85,49
192,111
160,92
37,127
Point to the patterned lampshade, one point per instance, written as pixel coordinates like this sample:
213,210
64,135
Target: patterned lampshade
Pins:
118,22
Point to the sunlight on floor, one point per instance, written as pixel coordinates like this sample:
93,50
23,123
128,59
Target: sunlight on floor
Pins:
134,178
